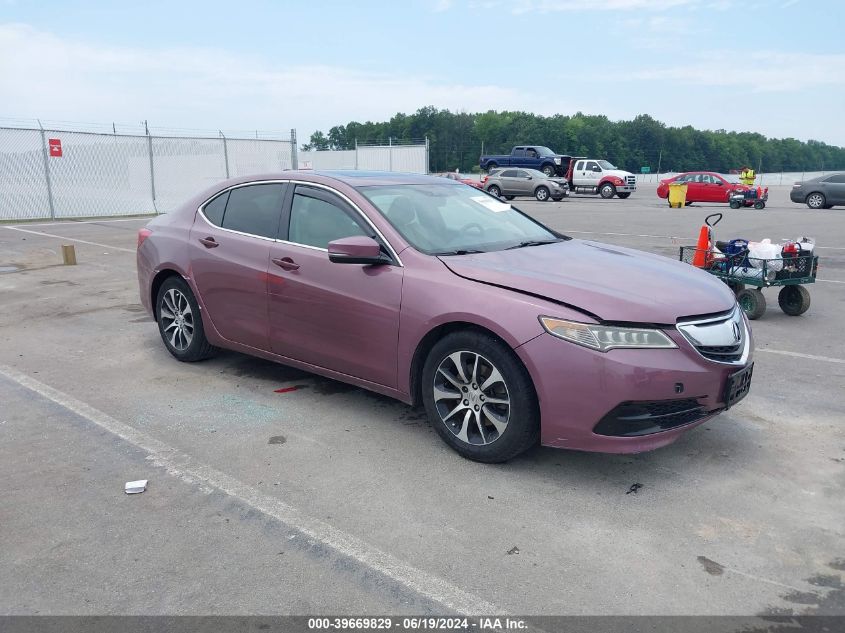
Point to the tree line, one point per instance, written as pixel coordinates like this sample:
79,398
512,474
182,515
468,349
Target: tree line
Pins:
457,140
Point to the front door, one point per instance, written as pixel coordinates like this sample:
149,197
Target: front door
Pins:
229,251
590,174
343,317
524,183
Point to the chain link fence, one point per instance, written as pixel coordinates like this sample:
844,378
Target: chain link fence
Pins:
63,174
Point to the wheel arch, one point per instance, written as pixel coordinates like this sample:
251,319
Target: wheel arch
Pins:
158,280
430,339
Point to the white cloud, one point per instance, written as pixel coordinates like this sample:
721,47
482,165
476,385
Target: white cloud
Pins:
520,7
763,71
48,76
442,5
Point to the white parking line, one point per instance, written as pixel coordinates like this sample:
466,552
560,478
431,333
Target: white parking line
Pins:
193,471
145,218
826,359
72,239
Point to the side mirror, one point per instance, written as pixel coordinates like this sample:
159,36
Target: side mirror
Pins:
529,177
720,183
358,249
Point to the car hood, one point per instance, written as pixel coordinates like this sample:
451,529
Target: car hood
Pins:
619,173
610,282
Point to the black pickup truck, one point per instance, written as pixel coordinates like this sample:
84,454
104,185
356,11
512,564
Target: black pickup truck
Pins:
531,157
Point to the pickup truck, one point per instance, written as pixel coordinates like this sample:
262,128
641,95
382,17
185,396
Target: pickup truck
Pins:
591,176
529,157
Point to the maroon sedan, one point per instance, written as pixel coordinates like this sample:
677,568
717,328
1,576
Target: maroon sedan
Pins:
430,292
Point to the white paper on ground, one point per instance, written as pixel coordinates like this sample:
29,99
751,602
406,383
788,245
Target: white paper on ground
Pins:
134,487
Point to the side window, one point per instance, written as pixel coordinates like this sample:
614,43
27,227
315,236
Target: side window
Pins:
593,166
521,173
531,153
519,152
254,209
315,222
837,179
579,166
706,179
214,209
508,173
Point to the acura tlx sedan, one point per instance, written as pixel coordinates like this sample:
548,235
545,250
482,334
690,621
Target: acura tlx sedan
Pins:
433,292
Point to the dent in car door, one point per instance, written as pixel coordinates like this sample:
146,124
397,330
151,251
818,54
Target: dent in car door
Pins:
229,249
344,317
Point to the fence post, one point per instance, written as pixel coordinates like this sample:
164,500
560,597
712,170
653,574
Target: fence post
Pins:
152,169
390,153
426,155
225,152
356,154
46,154
293,159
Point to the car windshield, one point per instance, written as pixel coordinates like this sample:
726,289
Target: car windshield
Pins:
544,151
447,220
606,165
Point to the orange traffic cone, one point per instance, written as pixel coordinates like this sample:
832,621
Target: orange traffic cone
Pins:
703,254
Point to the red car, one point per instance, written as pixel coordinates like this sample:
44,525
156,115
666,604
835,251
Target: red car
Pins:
452,175
703,186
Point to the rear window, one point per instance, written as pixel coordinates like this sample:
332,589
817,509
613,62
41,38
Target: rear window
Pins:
254,209
214,209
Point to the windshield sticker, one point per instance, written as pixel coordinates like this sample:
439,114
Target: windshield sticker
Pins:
494,205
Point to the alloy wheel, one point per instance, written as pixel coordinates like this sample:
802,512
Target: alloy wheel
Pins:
177,319
471,398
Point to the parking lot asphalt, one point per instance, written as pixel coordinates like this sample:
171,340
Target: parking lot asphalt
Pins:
356,506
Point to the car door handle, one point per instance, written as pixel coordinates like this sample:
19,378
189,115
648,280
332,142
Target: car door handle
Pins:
209,242
285,263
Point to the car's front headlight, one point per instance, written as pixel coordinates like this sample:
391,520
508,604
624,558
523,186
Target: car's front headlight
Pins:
604,338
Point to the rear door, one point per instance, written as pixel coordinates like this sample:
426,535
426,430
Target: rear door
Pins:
835,189
229,251
510,182
524,183
695,188
344,317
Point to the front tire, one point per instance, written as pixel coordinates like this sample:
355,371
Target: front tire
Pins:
624,195
479,397
509,197
495,191
542,194
816,201
794,300
180,323
607,191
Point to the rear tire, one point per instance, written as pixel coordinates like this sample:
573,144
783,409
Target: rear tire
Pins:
180,322
549,170
491,167
816,201
494,190
542,193
794,300
492,432
735,204
607,191
509,197
752,302
759,205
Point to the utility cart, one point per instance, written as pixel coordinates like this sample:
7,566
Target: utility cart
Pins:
750,198
730,262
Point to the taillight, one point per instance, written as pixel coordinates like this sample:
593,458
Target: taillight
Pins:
143,234
484,179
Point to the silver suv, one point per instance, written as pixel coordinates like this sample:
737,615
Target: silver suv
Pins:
511,182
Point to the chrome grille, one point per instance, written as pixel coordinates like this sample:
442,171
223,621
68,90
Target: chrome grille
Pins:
723,339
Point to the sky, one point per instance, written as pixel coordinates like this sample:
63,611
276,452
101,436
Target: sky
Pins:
776,67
